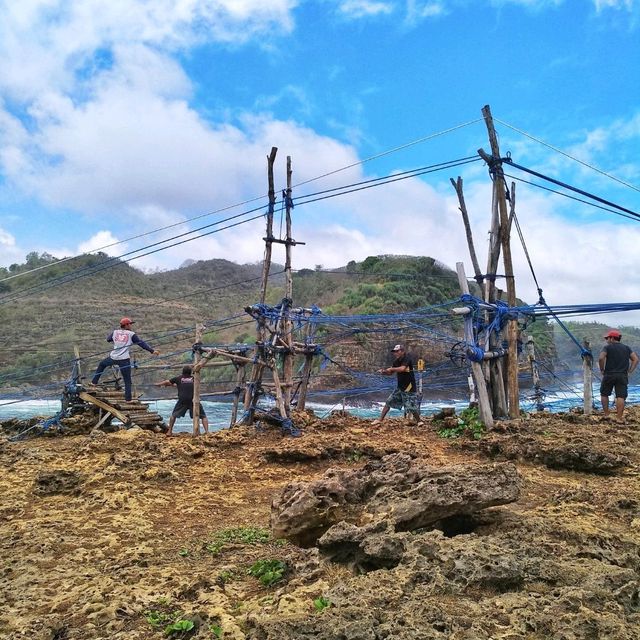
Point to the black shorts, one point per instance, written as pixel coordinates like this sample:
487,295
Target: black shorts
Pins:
181,408
617,381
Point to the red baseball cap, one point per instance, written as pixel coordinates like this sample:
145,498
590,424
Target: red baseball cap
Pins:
125,321
613,334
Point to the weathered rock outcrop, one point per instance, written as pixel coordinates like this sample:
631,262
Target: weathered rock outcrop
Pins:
396,489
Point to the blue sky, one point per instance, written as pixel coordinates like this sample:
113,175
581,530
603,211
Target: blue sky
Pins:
124,117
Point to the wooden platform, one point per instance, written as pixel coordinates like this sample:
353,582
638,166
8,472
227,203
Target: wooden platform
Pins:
110,403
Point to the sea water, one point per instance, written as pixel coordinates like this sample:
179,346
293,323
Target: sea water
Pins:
219,413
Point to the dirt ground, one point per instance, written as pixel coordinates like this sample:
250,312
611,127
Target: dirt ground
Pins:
137,535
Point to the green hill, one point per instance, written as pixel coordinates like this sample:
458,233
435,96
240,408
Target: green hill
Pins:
54,306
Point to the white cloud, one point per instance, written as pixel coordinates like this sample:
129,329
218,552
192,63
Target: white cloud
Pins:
365,8
602,5
102,241
54,43
420,9
9,251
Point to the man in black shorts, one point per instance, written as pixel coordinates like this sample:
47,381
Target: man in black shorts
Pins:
404,395
617,361
185,398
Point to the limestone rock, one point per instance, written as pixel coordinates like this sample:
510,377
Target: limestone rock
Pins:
396,488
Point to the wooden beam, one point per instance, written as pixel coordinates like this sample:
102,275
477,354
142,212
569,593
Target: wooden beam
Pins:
103,405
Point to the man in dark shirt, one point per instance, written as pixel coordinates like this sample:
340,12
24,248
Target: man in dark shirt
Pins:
185,399
616,362
405,393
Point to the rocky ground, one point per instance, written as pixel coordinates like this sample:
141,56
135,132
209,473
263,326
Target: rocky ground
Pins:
529,532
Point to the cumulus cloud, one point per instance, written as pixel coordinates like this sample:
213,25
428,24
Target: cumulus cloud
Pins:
57,43
102,241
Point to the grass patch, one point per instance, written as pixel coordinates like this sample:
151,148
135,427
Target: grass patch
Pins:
238,535
268,571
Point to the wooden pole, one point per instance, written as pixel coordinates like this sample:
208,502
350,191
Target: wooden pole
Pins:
499,188
304,384
266,265
481,386
287,326
457,185
256,373
196,383
535,373
587,377
240,377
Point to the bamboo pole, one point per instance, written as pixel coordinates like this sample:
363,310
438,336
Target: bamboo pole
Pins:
481,386
196,383
587,377
499,187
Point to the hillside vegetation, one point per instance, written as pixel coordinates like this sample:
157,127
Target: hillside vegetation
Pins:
53,306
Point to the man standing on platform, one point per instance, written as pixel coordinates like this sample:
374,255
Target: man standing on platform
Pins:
405,393
185,398
123,339
617,361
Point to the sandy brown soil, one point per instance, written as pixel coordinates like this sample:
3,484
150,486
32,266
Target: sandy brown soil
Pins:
116,535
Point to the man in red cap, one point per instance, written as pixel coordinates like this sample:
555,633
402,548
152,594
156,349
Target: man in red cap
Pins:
617,361
122,338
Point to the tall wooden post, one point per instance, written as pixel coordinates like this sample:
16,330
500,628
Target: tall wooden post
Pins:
256,373
499,189
287,327
587,378
196,383
457,185
481,386
266,265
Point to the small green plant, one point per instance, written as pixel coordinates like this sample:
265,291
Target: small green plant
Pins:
179,628
238,535
468,422
216,630
224,577
321,603
183,552
268,571
355,456
158,618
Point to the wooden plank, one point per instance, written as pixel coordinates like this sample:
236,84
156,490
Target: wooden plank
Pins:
103,405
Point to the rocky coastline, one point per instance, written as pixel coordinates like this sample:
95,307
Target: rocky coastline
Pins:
353,532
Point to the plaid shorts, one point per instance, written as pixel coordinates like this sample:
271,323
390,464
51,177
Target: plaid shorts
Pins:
406,399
